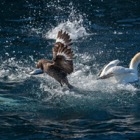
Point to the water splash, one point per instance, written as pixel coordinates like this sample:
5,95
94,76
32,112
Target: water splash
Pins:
84,79
74,28
14,70
74,25
85,82
66,18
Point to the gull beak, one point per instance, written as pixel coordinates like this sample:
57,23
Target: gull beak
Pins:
36,72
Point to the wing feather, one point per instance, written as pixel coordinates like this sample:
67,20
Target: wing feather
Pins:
119,70
116,71
107,67
62,53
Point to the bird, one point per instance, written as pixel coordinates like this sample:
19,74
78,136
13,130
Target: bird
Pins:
121,74
62,63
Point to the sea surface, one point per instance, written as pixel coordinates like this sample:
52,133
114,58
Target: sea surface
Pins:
37,107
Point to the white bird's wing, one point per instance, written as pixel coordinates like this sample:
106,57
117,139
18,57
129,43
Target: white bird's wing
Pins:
107,67
118,70
115,71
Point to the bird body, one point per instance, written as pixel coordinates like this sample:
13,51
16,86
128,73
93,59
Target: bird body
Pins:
121,74
62,63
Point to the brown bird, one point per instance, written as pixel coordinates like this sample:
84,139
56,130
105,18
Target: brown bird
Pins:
62,63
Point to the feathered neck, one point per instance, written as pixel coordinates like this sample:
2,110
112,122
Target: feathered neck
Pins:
135,62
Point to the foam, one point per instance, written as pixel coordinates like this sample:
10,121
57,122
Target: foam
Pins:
74,29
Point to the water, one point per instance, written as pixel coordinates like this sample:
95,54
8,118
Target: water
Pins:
36,107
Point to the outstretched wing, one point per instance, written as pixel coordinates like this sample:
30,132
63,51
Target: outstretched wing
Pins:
107,67
63,40
62,53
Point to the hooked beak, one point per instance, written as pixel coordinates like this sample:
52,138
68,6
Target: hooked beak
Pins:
36,72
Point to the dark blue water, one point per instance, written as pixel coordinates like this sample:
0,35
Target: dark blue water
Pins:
36,107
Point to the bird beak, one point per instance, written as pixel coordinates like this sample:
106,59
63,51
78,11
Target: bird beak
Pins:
36,72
